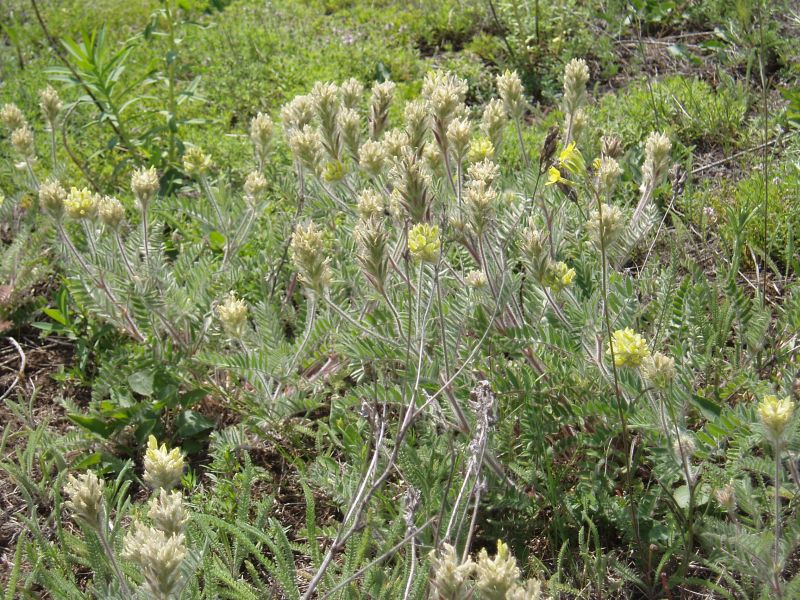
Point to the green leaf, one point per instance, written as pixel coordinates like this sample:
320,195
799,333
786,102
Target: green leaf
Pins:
189,423
56,315
141,382
93,424
216,240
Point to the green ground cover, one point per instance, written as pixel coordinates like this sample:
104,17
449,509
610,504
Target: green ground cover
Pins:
392,330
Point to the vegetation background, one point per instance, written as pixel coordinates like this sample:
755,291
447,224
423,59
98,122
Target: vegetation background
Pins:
587,493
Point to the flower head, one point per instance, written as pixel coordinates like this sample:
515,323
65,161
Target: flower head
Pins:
605,226
261,128
158,555
476,279
11,116
52,196
254,184
81,204
656,160
22,140
232,314
628,348
558,276
658,370
307,250
110,211
494,577
511,92
196,162
163,468
576,76
167,512
352,92
480,149
86,497
450,575
424,242
493,122
50,104
144,184
775,413
372,157
370,204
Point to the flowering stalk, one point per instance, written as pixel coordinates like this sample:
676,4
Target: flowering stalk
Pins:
617,391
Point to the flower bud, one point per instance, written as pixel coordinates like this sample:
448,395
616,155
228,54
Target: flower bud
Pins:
11,116
511,92
496,576
307,252
81,204
417,123
22,140
372,239
611,146
261,128
605,225
658,370
232,315
86,497
629,348
52,196
684,447
370,204
144,184
50,104
450,575
163,468
424,243
298,113
254,184
493,122
656,160
352,92
459,132
382,94
477,279
576,76
168,513
159,556
110,211
306,145
196,163
726,497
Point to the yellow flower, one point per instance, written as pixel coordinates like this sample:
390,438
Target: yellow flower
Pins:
81,204
554,176
424,242
480,149
775,413
571,159
558,276
629,348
